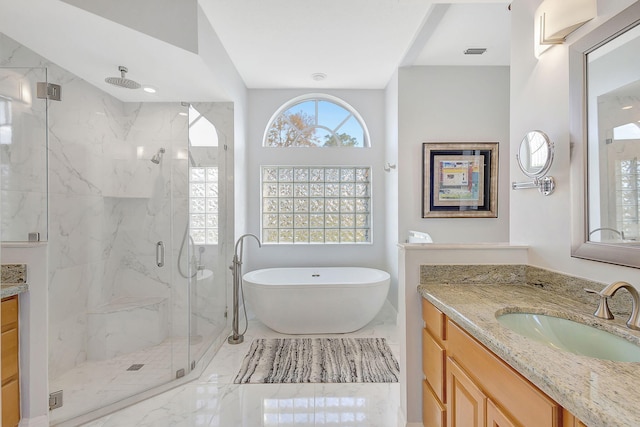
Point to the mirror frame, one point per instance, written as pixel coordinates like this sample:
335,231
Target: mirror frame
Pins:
550,153
581,247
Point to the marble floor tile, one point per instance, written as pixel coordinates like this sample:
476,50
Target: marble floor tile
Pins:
213,400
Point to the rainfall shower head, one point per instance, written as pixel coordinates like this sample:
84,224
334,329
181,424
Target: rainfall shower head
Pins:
122,81
158,156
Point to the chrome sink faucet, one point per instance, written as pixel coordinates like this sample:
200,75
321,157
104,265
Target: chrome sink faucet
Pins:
609,291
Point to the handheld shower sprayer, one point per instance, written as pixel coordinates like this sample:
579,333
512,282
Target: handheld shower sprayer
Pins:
158,156
236,268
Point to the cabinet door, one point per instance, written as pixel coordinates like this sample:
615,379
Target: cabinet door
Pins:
466,402
496,418
433,411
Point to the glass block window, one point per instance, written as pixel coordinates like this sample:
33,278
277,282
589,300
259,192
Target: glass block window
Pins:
628,198
316,204
316,121
203,205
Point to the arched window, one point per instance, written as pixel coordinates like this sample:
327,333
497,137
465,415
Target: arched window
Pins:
316,121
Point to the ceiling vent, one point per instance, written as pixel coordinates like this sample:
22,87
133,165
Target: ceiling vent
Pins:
475,51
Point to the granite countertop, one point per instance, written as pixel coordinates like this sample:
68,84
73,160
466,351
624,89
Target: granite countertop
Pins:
13,278
600,393
11,289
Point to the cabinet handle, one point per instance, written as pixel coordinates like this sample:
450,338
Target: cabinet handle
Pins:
160,254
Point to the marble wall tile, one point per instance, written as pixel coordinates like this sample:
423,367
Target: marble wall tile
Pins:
23,154
126,325
67,343
68,294
21,213
75,230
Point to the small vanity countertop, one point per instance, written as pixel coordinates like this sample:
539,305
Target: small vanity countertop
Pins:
14,279
11,289
600,393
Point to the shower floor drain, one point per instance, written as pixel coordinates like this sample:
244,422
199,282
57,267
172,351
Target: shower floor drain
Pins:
135,367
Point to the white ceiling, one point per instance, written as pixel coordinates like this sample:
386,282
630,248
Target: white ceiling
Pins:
273,44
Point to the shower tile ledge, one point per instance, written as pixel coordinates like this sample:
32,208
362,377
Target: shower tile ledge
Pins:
589,388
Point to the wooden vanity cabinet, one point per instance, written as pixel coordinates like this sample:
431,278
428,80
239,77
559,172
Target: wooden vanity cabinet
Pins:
467,385
434,358
10,358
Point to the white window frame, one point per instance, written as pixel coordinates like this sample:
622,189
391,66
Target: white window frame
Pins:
319,97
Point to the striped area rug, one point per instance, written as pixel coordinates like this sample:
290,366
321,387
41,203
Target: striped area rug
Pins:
318,360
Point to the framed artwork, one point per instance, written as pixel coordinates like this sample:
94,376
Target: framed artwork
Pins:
460,180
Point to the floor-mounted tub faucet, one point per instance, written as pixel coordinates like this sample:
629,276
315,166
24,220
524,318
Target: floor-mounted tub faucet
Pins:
609,291
200,265
236,267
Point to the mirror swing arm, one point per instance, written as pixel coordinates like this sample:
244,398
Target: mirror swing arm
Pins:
545,185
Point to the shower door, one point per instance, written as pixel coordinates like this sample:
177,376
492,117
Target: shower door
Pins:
210,135
119,305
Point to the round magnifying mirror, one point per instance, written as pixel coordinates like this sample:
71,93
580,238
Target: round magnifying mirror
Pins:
535,154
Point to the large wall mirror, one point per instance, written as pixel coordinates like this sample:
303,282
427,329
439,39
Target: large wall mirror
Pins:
605,76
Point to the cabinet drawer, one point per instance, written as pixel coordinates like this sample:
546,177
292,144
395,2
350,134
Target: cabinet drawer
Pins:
433,412
434,320
9,313
10,404
433,364
527,405
9,354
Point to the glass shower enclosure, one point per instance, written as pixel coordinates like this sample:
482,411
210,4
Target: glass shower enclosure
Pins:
144,302
131,200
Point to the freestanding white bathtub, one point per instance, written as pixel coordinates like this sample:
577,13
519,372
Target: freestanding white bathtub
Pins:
321,300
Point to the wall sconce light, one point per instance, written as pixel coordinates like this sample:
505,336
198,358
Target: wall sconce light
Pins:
556,19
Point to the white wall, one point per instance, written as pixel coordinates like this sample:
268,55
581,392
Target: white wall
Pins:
262,105
452,104
391,185
540,100
33,309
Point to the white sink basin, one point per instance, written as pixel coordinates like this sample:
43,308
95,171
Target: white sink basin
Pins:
571,336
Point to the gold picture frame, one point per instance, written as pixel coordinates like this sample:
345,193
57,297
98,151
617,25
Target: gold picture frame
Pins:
460,180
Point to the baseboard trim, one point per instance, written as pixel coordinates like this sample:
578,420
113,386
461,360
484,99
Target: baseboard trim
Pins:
41,421
415,425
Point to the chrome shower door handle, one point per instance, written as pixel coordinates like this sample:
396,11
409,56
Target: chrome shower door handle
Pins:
160,254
